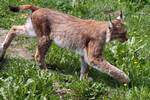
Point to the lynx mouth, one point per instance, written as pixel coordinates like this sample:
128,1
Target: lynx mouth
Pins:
123,40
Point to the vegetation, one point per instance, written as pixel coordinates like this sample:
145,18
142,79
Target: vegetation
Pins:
22,79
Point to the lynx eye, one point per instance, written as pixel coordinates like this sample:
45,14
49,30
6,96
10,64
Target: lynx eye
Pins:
118,26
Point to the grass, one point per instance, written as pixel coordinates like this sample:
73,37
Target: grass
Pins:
22,79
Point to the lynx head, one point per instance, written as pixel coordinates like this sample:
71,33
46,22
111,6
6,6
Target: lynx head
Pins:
117,29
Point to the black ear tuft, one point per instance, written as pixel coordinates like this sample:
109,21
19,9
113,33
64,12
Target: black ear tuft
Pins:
13,8
121,14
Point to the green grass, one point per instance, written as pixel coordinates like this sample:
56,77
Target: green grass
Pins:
22,79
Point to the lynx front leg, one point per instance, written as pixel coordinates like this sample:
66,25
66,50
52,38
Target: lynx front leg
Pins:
99,63
104,66
84,69
43,45
15,30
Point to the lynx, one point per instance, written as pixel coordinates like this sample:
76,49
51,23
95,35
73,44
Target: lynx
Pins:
85,37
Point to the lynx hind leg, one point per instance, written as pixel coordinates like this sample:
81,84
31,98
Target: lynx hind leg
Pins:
26,29
15,30
2,52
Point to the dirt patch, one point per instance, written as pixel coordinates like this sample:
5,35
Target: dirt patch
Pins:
15,51
60,90
2,34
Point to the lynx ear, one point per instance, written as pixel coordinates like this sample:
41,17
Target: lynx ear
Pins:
121,16
110,22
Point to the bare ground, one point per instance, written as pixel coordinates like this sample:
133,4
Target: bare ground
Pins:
16,51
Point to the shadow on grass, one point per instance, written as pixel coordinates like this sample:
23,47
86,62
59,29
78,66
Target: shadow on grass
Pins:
75,71
60,69
3,63
97,76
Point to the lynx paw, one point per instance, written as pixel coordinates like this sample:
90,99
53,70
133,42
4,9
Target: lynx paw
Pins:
85,77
